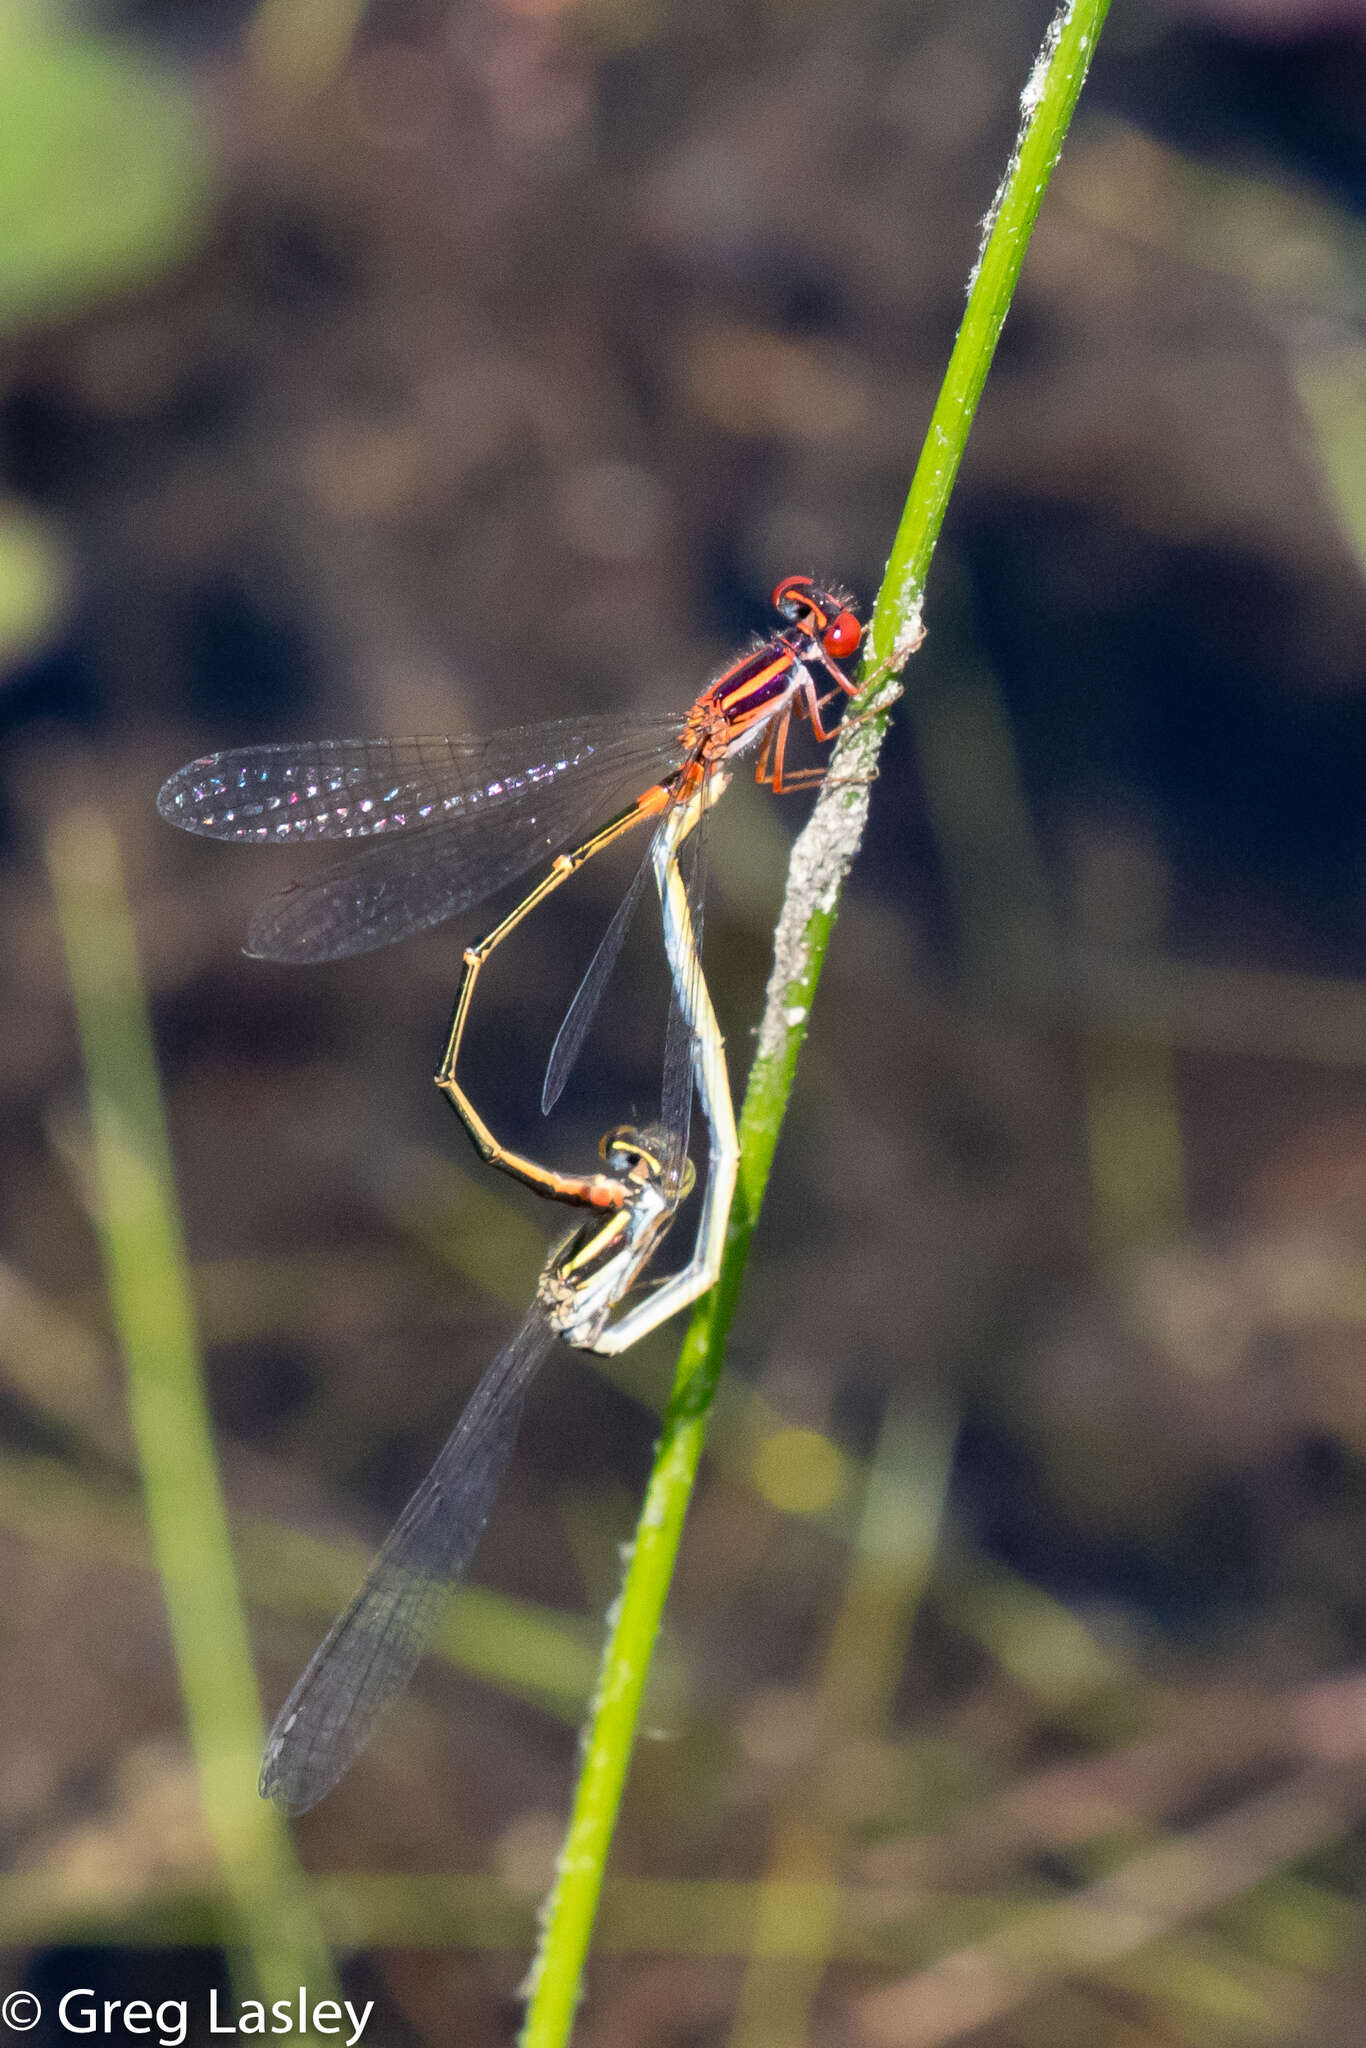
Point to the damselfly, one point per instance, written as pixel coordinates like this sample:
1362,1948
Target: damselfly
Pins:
439,824
370,1653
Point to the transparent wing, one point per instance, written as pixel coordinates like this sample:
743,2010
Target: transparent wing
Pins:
578,1017
358,789
371,1651
440,823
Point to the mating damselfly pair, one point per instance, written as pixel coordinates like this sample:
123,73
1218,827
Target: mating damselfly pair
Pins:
432,827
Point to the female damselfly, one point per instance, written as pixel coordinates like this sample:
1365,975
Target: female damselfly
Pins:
374,1647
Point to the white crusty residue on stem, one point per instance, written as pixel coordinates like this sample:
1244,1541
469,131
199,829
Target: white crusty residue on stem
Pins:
1030,101
822,857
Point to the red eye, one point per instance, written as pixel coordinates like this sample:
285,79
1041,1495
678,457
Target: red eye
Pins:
842,635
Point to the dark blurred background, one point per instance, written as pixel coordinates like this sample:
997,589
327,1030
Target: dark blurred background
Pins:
423,368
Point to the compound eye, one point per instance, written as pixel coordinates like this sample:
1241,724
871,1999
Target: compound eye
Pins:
842,635
623,1138
793,596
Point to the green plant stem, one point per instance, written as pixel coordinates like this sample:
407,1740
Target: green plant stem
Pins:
820,861
133,1199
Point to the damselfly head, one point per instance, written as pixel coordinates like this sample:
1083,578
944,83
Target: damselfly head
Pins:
647,1157
632,1153
826,614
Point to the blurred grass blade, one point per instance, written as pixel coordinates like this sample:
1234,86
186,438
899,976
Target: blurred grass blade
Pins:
1134,1141
889,1569
1123,1915
105,179
300,46
1331,380
144,1257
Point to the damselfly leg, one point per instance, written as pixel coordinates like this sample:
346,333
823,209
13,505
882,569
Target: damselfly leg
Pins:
682,816
595,1190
